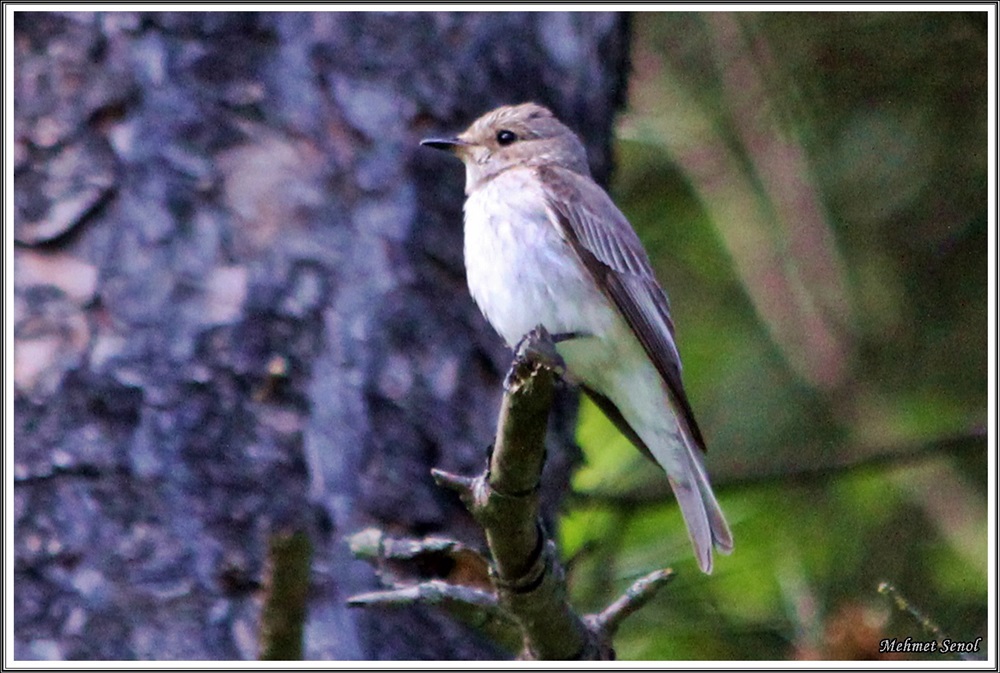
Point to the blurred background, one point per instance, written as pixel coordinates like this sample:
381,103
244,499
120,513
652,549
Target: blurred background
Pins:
813,192
241,318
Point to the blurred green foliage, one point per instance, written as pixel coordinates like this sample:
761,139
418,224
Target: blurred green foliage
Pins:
812,189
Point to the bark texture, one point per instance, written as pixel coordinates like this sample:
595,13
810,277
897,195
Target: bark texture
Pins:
240,312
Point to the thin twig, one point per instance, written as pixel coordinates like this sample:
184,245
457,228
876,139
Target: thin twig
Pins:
477,608
637,595
656,492
433,592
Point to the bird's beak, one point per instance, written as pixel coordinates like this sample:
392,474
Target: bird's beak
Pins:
446,144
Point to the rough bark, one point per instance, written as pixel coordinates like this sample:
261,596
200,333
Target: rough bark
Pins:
240,312
526,575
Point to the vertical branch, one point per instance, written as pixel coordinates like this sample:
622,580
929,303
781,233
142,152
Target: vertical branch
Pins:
516,468
527,577
286,588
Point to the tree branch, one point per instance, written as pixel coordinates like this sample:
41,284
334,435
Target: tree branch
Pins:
528,581
527,576
286,589
655,492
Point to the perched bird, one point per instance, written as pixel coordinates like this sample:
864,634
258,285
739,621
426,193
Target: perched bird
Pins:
545,245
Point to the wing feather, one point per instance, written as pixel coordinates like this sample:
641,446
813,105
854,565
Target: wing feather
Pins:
611,251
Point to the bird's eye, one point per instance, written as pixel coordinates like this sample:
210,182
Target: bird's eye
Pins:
505,137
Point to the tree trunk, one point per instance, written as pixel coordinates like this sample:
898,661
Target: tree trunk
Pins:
240,312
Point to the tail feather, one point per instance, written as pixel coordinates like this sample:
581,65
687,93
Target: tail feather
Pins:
722,537
703,516
676,451
695,517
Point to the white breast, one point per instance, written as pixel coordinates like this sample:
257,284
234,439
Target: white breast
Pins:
520,270
522,273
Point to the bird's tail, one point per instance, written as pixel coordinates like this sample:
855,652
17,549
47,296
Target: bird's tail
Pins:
705,522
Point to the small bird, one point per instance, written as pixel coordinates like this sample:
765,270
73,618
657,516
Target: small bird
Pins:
545,245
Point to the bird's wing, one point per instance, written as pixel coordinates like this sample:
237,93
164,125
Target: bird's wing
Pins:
611,251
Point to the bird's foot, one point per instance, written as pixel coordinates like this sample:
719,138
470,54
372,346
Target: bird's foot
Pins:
537,347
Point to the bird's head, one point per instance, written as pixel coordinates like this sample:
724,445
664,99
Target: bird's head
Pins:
513,136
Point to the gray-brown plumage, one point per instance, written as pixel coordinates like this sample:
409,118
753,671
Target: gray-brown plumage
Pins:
544,244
